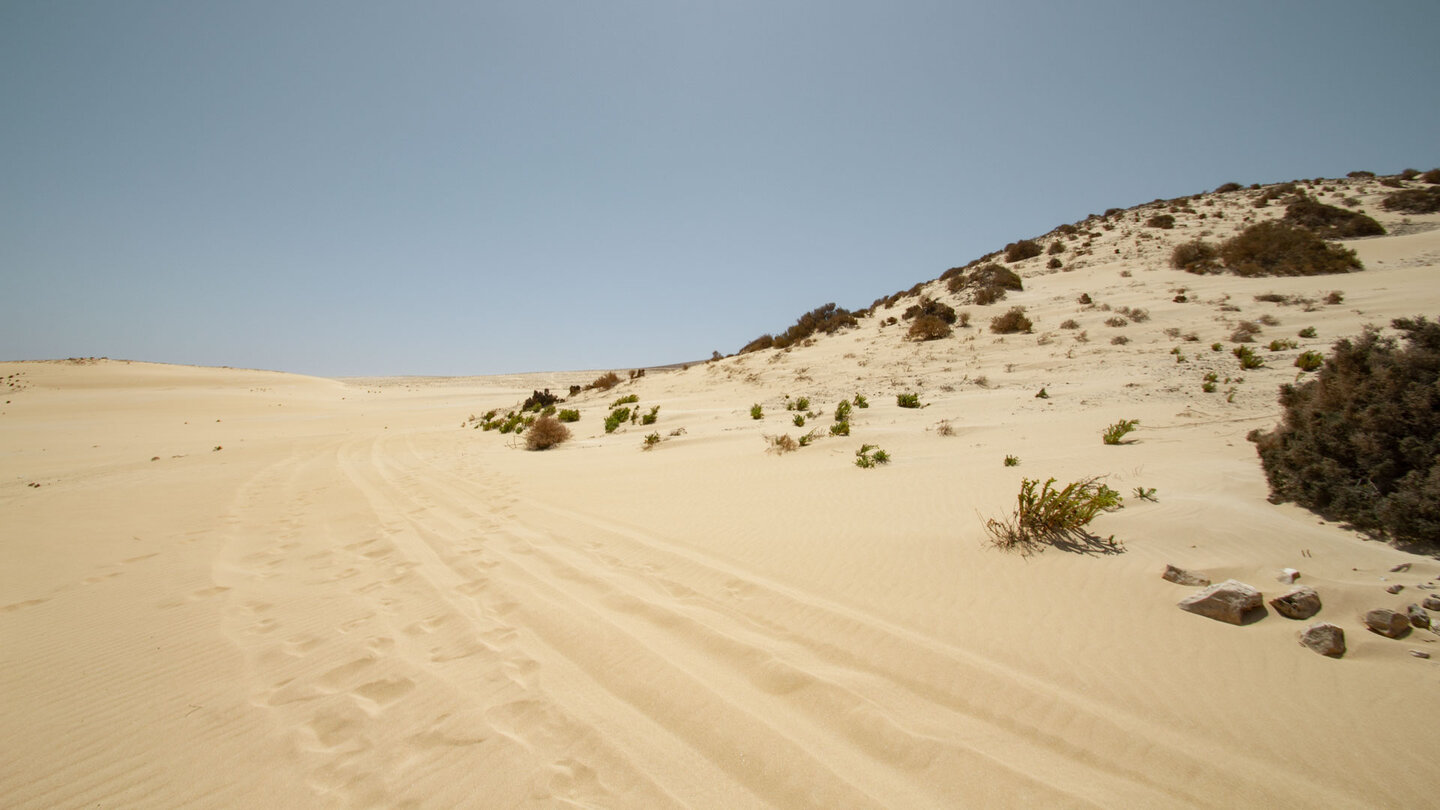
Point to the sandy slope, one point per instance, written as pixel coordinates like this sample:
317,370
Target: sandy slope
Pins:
357,602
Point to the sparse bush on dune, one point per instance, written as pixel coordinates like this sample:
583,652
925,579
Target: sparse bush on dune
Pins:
1056,247
929,327
826,319
1330,222
1197,256
605,381
1021,250
544,433
1014,320
1162,221
1413,201
1360,442
1228,187
985,296
1432,177
1275,248
1049,516
929,306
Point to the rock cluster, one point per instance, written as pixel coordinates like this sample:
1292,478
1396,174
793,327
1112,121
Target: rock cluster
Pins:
1228,601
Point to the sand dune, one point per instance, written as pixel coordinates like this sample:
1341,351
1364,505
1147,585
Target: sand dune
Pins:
237,588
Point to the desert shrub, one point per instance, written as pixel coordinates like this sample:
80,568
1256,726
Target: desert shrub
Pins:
1162,221
1307,332
1114,433
1413,201
1012,461
869,456
1409,174
1135,314
1055,247
1247,357
1330,222
1268,320
840,429
1432,177
757,412
929,306
1360,442
617,417
1021,250
929,327
1067,229
861,402
1276,248
782,444
1282,344
1334,298
1050,516
1054,264
1116,320
1309,361
1085,299
545,432
842,411
1069,323
539,400
908,400
1225,188
1360,174
1013,320
984,296
799,420
649,418
826,319
625,400
1119,340
1197,256
605,381
963,318
1391,182
568,415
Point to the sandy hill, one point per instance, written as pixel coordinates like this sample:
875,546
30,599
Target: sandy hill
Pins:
228,588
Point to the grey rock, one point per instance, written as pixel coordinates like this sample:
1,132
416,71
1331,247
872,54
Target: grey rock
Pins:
1387,622
1418,617
1396,588
1300,603
1180,576
1324,638
1227,601
1431,603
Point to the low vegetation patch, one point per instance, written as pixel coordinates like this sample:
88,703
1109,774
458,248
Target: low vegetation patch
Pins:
1360,441
1276,248
1021,250
826,319
1330,222
1118,431
1413,201
1045,515
1197,256
870,456
1014,320
545,433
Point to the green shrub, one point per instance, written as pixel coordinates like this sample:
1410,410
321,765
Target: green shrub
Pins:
908,400
625,400
840,429
1413,201
757,412
1197,256
1052,516
1282,344
799,420
869,456
617,417
1012,321
568,415
1307,332
1012,461
1330,222
1118,431
861,401
802,404
1024,249
1360,441
1248,358
545,432
1276,248
651,417
842,411
651,439
1309,361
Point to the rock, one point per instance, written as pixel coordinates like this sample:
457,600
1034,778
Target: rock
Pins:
1288,575
1228,601
1420,653
1180,576
1300,603
1401,567
1324,638
1418,618
1396,588
1387,623
1431,603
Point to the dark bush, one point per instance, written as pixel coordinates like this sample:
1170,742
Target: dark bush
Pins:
989,295
605,381
539,400
929,306
1162,221
827,319
1432,177
1056,247
1228,187
1197,256
994,275
1054,263
1277,248
1360,442
1413,201
1013,320
929,327
1330,222
1360,175
544,433
1067,229
1024,249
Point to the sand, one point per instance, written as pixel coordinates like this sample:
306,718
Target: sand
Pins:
247,589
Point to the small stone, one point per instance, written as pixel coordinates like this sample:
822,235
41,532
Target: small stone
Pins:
1396,588
1288,575
1420,653
1387,623
1229,601
1180,576
1401,567
1418,618
1324,638
1431,602
1301,603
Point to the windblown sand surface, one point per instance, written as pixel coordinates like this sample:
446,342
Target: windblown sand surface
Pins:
252,589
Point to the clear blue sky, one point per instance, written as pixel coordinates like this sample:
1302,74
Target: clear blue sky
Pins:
350,188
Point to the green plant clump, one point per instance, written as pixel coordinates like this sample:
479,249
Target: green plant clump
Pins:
869,456
840,429
1012,461
757,412
568,415
861,402
908,400
1360,441
1117,431
1247,357
1309,361
1049,516
616,418
1276,248
625,400
649,418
